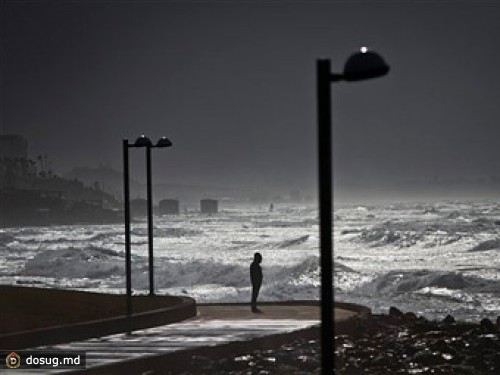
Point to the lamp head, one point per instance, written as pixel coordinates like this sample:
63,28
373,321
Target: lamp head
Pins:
364,64
142,141
164,142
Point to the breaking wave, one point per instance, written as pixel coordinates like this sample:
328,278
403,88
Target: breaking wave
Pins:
286,223
429,233
401,282
172,274
493,244
294,242
75,263
166,232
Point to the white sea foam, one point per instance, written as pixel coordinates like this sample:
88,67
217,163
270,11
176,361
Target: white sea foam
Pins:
431,258
91,263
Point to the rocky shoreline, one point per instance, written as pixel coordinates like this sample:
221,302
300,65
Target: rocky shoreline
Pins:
395,343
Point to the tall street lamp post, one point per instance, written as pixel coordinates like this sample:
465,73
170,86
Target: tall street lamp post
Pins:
140,142
360,66
126,214
163,142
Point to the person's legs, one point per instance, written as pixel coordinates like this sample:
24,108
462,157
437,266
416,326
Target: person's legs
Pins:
255,295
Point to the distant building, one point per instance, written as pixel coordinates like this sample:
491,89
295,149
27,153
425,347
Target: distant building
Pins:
14,162
13,147
209,206
169,207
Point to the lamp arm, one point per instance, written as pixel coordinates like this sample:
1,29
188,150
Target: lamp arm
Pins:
335,77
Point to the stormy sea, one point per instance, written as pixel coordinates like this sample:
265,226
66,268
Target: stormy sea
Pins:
430,258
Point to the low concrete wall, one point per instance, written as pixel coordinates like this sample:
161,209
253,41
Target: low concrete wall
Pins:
361,310
267,303
97,328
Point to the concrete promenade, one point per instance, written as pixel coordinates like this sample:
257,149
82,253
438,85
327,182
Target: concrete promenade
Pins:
214,325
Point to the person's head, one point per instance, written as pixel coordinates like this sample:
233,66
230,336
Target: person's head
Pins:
257,257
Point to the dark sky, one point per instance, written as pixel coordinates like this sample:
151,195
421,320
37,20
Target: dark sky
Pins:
232,84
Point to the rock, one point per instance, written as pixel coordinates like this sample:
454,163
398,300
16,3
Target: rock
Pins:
428,358
409,317
498,323
488,326
484,344
474,361
352,369
422,326
381,360
434,334
440,345
449,319
496,361
394,311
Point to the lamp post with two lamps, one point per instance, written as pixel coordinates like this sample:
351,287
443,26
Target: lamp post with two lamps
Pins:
142,141
360,66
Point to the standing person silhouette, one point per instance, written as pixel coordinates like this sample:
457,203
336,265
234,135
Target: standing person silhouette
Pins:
256,279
